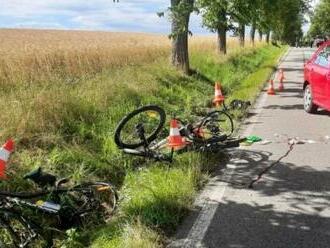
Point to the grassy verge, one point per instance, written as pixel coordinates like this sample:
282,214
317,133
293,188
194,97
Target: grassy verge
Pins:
155,199
71,123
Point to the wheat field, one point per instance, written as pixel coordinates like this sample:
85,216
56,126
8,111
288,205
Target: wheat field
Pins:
39,55
49,77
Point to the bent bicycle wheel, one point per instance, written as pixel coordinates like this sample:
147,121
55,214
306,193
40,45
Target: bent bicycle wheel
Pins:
16,231
91,199
215,127
151,118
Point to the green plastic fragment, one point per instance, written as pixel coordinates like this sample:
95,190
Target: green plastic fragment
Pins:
253,139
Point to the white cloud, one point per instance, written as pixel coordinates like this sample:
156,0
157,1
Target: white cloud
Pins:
97,14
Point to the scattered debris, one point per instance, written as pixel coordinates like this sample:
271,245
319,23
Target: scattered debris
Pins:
239,104
291,143
265,142
253,139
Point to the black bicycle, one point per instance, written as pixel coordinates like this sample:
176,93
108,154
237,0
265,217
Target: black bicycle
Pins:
31,219
137,133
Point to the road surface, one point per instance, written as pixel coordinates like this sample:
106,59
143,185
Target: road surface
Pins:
289,206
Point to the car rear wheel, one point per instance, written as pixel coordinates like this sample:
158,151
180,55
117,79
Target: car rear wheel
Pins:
309,106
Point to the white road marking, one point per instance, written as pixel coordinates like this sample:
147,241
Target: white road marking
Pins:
209,199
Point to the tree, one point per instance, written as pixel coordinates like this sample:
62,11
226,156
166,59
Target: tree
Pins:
243,12
320,20
214,13
288,21
180,11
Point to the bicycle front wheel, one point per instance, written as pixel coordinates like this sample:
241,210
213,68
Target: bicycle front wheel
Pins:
151,118
16,231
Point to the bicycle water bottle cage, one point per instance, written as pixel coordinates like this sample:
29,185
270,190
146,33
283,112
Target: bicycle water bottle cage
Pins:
40,178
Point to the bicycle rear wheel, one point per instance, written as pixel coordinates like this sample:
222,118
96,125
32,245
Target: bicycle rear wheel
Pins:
152,117
217,126
93,200
16,231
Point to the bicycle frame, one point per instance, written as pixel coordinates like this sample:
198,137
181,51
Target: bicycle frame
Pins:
186,131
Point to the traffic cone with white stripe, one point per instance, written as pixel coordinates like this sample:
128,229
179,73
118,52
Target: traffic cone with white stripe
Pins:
218,96
271,90
5,152
175,140
281,78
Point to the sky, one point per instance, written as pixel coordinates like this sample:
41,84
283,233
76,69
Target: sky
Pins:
127,15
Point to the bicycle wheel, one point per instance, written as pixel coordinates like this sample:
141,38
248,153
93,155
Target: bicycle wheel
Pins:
151,117
91,201
215,127
16,231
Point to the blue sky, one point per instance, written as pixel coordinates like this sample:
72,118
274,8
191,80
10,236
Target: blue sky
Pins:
128,15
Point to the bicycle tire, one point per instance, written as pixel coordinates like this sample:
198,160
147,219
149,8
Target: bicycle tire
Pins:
149,137
221,133
93,203
16,231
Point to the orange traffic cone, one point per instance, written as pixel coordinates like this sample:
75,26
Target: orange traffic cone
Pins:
5,152
218,96
271,90
281,78
175,140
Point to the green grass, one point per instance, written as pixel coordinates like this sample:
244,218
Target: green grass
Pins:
74,136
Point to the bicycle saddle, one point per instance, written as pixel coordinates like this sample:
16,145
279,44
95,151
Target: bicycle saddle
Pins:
41,178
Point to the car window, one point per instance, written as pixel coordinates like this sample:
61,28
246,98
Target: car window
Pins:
323,58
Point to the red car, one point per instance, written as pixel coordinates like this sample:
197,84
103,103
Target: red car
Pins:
317,80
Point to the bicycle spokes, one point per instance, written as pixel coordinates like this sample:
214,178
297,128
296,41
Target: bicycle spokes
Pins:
140,127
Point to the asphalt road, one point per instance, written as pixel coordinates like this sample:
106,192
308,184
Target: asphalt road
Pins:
289,206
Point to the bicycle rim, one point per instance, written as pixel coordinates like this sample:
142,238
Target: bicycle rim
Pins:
214,125
151,117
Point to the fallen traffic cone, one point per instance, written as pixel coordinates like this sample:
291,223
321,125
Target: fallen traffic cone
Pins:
271,90
175,140
5,152
218,96
281,78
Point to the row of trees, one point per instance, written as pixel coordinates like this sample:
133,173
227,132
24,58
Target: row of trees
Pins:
282,18
320,21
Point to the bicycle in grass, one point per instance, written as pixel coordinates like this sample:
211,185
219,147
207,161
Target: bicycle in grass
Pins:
30,219
137,133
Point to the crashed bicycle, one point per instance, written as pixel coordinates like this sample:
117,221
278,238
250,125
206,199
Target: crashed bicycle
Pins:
137,133
29,219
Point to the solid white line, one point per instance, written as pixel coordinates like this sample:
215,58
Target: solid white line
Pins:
211,201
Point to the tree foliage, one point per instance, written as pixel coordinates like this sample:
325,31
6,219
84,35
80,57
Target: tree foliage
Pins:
320,25
284,18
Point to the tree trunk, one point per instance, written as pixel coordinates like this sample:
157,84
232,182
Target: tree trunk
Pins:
180,54
253,34
268,37
222,40
241,30
222,33
260,35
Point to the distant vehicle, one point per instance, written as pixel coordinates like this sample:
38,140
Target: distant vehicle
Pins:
317,80
318,42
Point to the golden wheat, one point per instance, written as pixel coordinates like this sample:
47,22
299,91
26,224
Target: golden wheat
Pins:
41,55
46,75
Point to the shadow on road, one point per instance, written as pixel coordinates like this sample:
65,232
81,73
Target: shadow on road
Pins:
251,225
263,226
